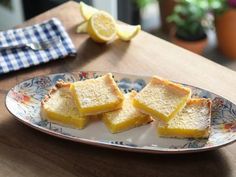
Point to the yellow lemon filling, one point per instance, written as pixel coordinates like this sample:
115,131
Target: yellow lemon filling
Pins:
73,121
162,99
95,96
59,107
192,122
160,115
125,118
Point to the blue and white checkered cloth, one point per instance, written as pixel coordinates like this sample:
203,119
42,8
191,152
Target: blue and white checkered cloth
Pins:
18,58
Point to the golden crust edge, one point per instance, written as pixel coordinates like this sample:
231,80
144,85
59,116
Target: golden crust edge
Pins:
203,102
110,82
115,89
60,84
171,85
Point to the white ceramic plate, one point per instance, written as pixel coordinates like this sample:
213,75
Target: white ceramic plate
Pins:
23,101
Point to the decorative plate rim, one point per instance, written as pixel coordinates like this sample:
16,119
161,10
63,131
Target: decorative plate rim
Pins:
144,149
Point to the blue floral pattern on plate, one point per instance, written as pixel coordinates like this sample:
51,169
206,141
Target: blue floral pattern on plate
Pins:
23,101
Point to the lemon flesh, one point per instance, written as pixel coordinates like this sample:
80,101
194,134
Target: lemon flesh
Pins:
127,32
101,27
87,11
82,27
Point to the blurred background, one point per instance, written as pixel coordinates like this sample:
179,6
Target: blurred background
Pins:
206,27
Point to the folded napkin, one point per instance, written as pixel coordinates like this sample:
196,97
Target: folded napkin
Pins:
18,58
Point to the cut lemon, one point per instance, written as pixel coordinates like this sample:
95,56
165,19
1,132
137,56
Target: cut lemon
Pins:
87,11
101,27
127,32
82,27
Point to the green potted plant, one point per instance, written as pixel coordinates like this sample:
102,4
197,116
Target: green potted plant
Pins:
189,31
143,3
166,7
225,23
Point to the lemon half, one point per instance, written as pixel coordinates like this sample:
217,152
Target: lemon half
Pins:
101,27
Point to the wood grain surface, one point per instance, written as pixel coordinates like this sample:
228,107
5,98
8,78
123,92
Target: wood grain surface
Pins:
25,152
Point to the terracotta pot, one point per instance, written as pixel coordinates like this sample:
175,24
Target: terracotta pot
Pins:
226,33
166,8
194,46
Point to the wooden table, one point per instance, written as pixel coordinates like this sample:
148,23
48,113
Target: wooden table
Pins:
26,152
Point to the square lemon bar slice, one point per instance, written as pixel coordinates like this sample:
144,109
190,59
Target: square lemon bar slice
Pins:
95,96
192,122
162,99
58,106
125,118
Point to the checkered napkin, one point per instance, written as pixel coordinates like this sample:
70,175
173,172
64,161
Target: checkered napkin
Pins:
18,58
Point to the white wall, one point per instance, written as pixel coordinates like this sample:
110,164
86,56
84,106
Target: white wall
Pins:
10,18
107,5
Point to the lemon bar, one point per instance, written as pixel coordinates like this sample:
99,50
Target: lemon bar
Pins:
58,106
125,118
192,122
162,99
95,96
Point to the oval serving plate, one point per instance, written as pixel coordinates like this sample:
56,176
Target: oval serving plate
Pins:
23,101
